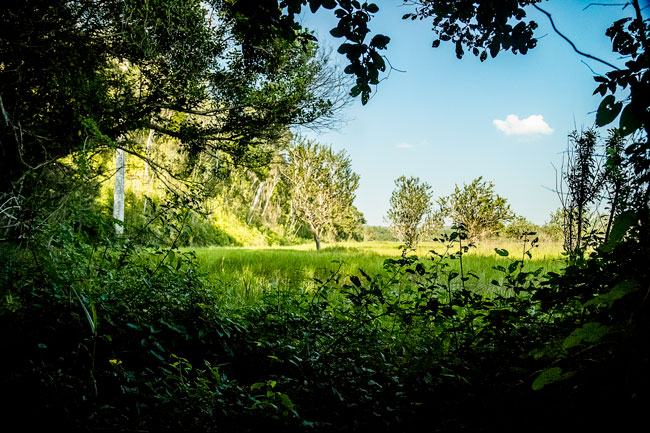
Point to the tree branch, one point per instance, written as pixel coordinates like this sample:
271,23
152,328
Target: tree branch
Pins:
589,56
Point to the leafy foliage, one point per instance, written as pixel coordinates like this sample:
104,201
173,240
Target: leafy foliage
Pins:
323,187
409,214
479,27
81,77
477,208
518,226
133,340
593,172
365,60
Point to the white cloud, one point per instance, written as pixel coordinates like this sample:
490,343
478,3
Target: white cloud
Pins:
404,145
532,125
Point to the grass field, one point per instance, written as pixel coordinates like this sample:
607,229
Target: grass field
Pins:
244,274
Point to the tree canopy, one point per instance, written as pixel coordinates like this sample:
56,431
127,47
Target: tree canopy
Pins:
323,187
477,208
409,212
79,74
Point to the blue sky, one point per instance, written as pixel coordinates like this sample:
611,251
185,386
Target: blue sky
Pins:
436,121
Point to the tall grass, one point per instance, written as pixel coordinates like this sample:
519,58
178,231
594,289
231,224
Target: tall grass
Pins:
241,275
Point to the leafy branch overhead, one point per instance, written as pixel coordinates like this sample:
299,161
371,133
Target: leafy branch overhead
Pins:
480,27
365,61
629,38
79,74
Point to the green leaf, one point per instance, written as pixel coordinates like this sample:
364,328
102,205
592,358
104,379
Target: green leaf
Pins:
549,376
630,121
372,8
344,48
258,385
459,50
379,41
617,292
591,332
608,110
314,5
379,61
337,32
329,4
602,89
157,355
502,253
365,97
355,280
366,276
622,224
494,49
286,401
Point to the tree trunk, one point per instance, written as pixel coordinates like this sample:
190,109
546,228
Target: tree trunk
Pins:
317,239
612,211
268,198
257,197
145,181
118,192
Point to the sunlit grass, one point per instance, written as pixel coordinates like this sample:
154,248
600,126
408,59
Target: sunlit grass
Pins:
243,274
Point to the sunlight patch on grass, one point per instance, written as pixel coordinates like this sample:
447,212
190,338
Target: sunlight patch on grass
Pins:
245,274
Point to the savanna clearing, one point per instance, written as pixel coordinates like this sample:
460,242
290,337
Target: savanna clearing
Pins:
241,275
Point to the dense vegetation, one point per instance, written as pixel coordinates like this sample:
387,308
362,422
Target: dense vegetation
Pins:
101,331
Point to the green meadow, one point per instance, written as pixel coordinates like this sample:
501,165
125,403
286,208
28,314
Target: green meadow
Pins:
243,274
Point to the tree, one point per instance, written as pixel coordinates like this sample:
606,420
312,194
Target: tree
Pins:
409,212
553,227
350,227
322,186
477,208
618,178
580,187
520,225
79,76
593,172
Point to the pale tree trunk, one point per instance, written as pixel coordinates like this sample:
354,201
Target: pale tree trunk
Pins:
255,199
197,167
257,196
148,154
146,180
118,192
292,220
268,198
317,239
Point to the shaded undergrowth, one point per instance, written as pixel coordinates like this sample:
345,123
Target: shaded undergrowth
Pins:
109,336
